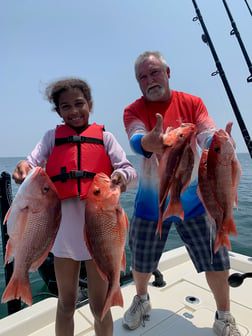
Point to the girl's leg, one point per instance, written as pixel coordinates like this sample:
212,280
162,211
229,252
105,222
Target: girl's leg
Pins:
67,277
97,291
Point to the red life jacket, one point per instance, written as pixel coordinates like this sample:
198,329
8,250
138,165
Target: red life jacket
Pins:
75,159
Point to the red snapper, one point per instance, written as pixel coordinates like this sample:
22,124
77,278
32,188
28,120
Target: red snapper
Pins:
219,176
32,224
105,234
173,160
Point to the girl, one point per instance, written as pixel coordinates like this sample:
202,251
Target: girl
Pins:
71,154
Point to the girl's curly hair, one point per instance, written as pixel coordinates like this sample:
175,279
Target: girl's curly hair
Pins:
54,90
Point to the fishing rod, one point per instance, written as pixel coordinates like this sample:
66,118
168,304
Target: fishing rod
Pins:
206,39
235,32
250,11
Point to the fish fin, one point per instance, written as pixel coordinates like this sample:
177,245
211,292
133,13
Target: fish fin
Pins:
221,240
236,175
102,275
123,263
112,299
159,227
228,226
37,263
16,289
210,217
7,215
126,220
174,209
193,144
236,201
121,216
200,195
9,252
185,186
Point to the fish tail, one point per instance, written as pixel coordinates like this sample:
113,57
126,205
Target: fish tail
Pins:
114,299
221,240
16,289
230,225
174,209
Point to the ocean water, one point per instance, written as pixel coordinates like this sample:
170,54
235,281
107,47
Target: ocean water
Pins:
243,220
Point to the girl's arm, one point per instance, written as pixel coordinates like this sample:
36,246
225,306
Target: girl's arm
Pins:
38,157
124,173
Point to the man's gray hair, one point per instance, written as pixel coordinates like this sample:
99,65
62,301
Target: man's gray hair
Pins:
145,55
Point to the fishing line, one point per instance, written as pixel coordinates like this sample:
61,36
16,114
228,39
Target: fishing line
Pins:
250,11
211,243
206,39
235,32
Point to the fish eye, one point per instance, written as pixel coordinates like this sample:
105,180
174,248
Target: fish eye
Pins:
217,149
97,192
46,188
181,135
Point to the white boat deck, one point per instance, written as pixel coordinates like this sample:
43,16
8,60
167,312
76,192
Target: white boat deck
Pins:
185,306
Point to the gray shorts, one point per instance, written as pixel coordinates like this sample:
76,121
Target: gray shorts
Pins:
197,234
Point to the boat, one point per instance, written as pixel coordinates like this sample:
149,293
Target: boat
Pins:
183,305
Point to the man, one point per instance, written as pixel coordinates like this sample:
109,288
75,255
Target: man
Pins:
145,121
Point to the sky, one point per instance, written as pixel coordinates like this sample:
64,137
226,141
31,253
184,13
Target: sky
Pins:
42,41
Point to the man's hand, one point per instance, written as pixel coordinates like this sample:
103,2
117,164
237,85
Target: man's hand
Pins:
119,179
228,130
21,171
153,141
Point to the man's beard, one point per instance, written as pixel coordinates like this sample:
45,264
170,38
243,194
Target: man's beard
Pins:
155,93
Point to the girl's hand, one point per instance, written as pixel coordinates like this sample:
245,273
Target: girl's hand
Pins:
21,171
119,179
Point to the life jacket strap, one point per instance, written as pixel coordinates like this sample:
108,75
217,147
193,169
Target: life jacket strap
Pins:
77,174
77,139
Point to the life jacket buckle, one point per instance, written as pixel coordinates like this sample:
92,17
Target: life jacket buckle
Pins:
75,139
76,174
